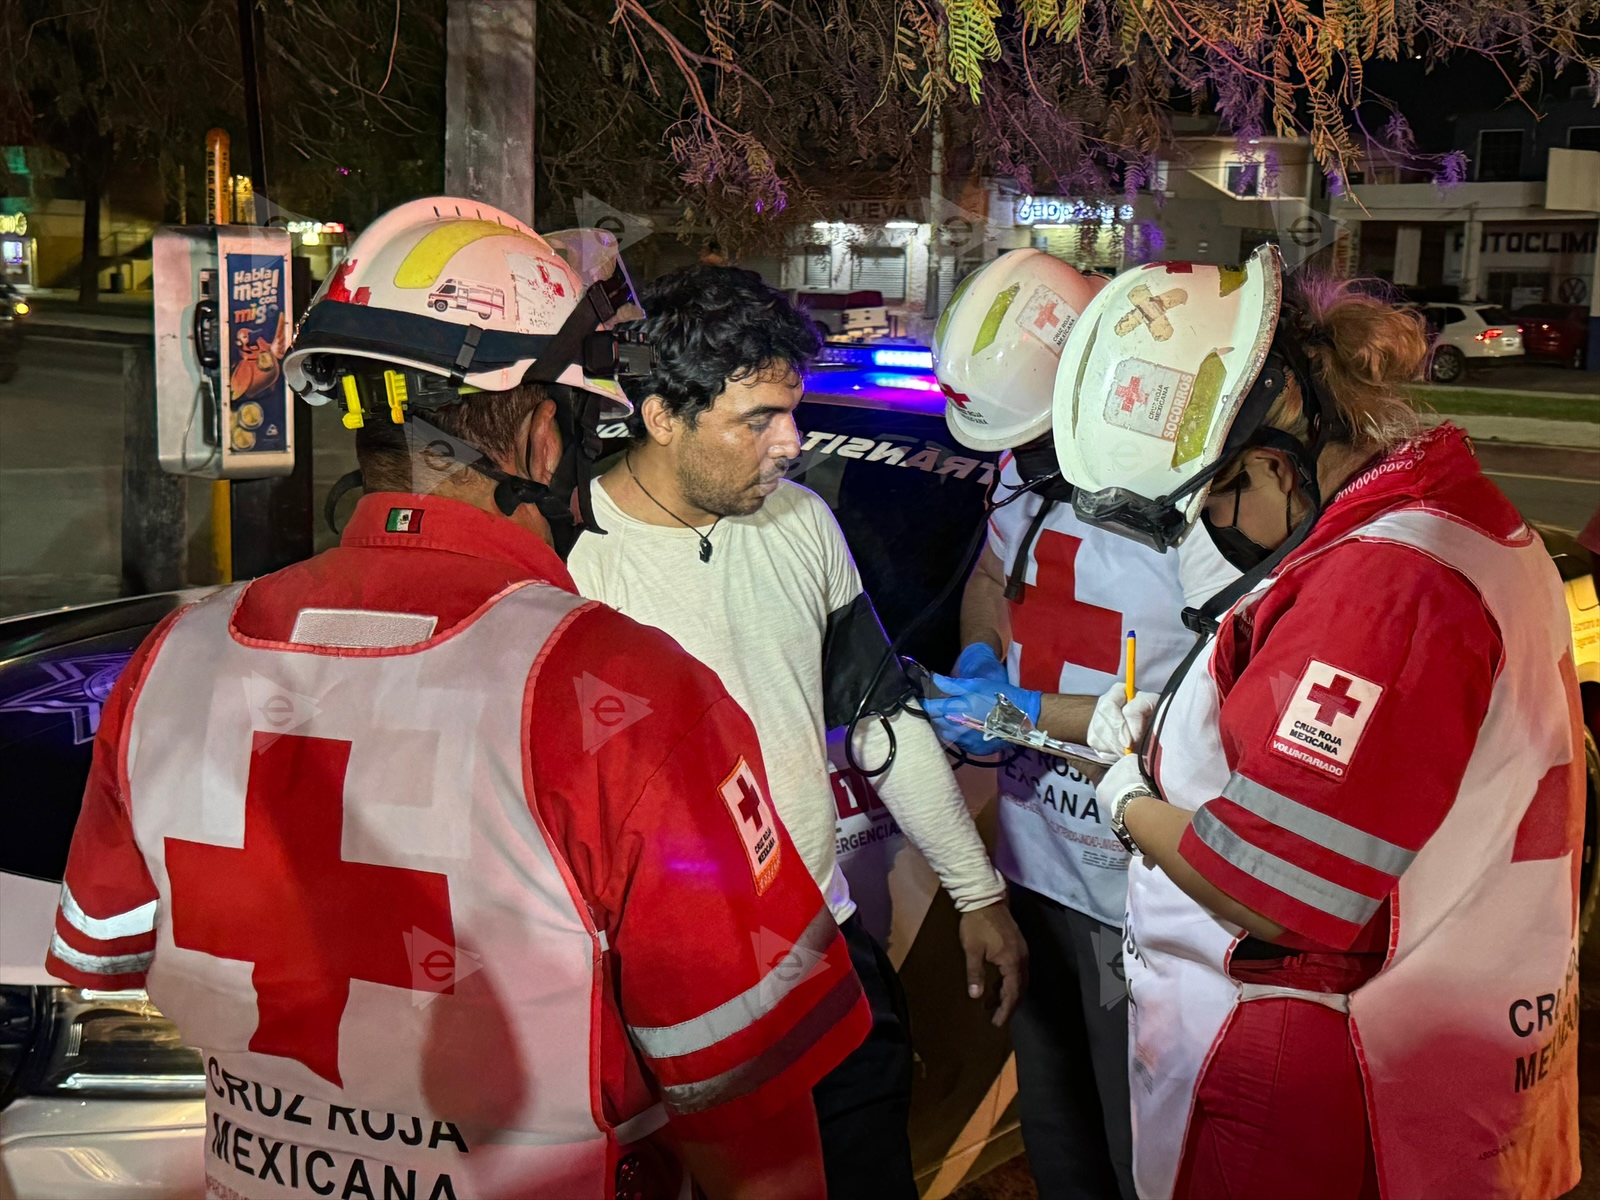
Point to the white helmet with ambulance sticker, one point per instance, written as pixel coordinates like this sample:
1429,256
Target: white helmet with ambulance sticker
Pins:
455,288
1150,382
996,346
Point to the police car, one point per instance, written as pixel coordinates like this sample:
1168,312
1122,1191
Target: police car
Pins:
100,1099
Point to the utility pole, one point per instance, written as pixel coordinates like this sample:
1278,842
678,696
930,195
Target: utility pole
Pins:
489,103
254,86
271,519
930,298
155,550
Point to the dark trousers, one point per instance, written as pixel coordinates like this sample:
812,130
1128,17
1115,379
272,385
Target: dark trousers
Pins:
1071,1038
863,1104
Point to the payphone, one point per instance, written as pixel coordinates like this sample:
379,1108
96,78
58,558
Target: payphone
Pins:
223,322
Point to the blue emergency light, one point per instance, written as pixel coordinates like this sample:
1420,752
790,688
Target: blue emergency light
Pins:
916,360
902,358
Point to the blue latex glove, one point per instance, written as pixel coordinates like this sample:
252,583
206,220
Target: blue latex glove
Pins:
974,696
979,661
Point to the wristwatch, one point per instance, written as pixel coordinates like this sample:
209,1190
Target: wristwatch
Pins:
1119,826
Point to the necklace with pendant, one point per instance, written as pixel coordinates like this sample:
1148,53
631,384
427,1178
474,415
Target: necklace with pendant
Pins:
705,538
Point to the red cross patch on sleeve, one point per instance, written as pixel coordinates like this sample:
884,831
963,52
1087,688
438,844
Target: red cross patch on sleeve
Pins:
1327,712
757,824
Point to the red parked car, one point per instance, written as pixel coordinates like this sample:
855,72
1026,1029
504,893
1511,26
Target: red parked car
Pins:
1558,331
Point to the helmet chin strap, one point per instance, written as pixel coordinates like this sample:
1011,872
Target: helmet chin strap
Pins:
580,446
1040,471
1327,425
513,492
1041,474
580,440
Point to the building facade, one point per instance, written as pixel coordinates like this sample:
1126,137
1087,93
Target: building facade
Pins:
1212,198
1524,228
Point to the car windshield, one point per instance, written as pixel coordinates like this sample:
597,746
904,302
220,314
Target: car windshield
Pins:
1497,316
1558,311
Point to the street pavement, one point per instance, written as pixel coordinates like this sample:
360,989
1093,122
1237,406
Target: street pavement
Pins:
1530,377
61,478
1559,487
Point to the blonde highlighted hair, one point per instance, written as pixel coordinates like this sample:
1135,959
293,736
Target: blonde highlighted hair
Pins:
1365,349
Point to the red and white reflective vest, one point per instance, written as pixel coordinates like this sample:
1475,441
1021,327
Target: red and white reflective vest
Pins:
1466,1037
439,1032
1085,588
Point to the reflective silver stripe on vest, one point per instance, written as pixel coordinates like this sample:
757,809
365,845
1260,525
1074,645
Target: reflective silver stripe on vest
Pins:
771,1062
120,925
745,1009
100,964
1289,879
1317,827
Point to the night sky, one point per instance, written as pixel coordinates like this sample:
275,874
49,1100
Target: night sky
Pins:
1429,100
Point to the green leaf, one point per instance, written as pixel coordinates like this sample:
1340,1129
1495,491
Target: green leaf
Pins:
972,41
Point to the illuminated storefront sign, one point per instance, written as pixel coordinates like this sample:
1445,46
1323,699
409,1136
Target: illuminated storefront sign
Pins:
311,233
1065,210
14,223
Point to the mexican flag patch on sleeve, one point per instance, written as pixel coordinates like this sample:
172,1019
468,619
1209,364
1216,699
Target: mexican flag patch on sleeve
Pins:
404,520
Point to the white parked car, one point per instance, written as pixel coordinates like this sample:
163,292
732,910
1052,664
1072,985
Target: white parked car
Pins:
1475,331
99,1097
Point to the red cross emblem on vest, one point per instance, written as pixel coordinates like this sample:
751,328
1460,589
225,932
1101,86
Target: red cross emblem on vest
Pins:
1054,627
309,920
1130,395
1046,315
1334,698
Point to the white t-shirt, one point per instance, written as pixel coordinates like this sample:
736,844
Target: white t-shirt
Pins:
756,614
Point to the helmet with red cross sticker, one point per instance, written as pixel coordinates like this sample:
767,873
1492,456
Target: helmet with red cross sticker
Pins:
996,346
1152,389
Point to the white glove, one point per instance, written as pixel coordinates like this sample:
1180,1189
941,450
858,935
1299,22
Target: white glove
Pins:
1124,775
1118,723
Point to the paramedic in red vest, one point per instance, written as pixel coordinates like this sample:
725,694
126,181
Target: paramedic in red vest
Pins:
463,886
1042,621
1351,951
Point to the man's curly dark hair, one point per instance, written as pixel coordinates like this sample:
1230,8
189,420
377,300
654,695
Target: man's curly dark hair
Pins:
712,326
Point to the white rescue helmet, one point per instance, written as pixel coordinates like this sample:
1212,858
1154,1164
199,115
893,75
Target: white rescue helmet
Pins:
460,290
998,342
1153,378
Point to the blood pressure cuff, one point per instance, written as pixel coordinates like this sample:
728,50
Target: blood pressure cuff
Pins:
853,648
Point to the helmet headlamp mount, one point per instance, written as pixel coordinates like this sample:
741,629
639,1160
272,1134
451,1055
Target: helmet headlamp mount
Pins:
619,354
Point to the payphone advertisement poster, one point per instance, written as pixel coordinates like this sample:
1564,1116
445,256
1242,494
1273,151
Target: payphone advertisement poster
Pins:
257,338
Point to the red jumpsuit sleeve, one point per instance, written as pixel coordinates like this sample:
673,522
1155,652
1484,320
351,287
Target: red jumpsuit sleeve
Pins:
735,983
1347,734
728,989
105,924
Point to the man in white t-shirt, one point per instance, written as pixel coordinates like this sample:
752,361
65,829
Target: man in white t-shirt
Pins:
707,540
